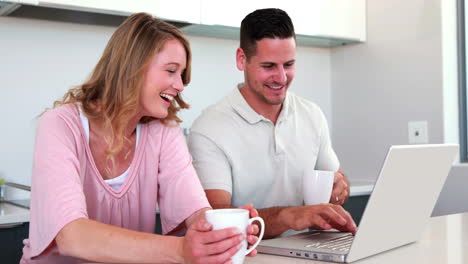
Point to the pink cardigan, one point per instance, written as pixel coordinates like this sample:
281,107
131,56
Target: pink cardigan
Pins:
66,184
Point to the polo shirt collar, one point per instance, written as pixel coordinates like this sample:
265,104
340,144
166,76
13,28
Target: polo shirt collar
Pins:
241,106
286,109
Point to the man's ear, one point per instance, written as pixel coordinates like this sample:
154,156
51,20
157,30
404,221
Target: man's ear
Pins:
241,59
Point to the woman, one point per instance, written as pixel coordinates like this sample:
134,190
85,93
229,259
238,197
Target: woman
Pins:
111,151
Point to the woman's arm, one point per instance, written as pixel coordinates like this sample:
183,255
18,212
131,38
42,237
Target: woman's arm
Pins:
95,241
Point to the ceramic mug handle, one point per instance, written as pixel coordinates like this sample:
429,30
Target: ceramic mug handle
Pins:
262,230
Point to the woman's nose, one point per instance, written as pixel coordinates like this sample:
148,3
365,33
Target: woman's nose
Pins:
179,84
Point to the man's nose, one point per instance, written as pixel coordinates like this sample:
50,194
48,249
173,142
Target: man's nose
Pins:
280,76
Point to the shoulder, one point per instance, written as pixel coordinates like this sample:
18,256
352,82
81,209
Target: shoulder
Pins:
64,115
304,107
157,131
165,141
216,116
156,126
60,126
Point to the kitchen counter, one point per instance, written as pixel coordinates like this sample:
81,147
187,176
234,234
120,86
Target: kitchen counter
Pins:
443,241
360,187
11,215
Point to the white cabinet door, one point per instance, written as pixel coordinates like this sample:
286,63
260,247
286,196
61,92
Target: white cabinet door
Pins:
99,6
324,18
345,19
177,10
230,13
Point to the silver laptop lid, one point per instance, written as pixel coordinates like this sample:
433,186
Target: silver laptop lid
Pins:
404,195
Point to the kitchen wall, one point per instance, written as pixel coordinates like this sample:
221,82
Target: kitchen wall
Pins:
405,71
395,77
41,59
398,76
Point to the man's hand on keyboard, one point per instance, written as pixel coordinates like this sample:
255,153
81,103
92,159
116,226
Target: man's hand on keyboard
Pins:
322,216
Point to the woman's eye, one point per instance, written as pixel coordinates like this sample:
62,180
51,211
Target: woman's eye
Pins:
171,71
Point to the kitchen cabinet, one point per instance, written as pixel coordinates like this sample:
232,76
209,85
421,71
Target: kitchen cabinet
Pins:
178,10
324,23
320,23
325,18
14,227
99,6
187,11
11,242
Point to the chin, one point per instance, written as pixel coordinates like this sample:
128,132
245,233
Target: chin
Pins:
162,116
275,100
159,114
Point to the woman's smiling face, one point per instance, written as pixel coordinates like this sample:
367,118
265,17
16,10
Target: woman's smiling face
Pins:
163,80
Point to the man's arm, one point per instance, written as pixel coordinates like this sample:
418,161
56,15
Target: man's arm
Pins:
279,219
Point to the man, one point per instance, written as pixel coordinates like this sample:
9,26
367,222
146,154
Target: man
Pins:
253,145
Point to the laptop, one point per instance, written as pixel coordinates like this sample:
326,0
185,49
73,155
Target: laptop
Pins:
396,214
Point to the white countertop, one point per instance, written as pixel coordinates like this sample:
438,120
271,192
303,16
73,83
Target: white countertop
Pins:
360,187
445,240
12,214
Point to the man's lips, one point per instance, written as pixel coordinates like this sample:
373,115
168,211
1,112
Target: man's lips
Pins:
275,87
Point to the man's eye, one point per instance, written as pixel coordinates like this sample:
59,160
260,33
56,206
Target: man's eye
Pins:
267,66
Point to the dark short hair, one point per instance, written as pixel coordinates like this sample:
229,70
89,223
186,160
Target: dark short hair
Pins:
264,23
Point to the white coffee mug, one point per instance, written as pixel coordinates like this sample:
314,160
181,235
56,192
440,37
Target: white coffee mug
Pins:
225,218
317,186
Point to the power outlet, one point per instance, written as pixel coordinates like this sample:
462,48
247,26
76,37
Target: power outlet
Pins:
418,132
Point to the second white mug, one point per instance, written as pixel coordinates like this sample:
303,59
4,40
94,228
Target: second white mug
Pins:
317,186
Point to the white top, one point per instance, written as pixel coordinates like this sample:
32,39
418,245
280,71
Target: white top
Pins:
239,151
116,182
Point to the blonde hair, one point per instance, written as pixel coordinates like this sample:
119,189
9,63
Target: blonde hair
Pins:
111,94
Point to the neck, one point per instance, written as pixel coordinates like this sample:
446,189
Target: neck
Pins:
97,127
269,111
131,126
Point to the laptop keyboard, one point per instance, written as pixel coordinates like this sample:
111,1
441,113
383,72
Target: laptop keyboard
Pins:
341,244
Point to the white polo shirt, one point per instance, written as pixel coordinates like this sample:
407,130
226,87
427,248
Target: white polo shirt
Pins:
237,150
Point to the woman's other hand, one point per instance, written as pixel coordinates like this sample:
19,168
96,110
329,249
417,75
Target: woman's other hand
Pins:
201,245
